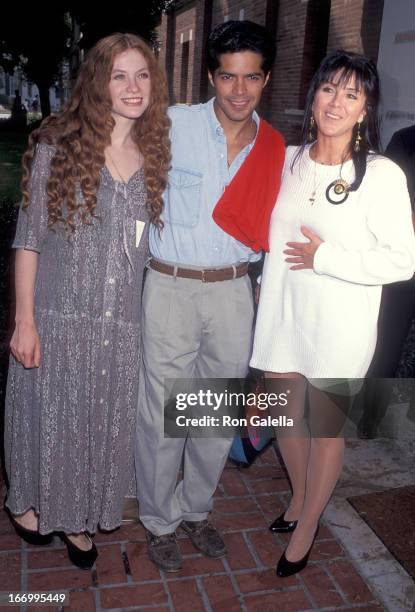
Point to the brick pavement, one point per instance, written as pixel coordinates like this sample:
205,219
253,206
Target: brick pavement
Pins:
124,579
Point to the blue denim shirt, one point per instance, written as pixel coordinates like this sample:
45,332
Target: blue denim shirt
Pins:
197,179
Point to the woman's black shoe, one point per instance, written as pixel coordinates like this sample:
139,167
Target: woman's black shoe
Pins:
288,568
280,525
29,535
83,559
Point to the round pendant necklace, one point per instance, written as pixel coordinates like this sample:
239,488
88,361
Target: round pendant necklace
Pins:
338,190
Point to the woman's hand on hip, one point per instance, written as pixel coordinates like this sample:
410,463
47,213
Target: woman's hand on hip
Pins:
302,253
25,344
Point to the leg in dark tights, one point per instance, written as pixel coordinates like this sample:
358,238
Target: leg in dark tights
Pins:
313,460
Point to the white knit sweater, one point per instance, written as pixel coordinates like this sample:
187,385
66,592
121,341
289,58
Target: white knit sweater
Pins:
322,323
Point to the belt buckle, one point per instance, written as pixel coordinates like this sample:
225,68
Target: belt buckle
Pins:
203,276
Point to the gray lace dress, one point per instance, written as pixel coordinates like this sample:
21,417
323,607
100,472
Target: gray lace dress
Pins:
70,424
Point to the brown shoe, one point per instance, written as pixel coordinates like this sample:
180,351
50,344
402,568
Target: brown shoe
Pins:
205,537
164,551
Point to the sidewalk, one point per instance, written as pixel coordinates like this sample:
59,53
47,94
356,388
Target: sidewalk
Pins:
372,466
246,502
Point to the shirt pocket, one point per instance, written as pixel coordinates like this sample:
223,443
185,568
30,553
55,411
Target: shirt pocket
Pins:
184,194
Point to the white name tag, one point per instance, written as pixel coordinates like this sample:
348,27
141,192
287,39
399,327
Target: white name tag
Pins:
139,228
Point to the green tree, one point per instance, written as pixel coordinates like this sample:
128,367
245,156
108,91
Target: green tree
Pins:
35,41
38,42
137,17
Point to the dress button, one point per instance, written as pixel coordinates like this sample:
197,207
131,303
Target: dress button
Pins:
106,342
101,401
111,281
108,313
103,372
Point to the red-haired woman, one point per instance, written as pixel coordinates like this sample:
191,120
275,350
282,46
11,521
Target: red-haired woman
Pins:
93,181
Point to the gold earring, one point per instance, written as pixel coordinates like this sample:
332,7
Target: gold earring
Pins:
311,129
358,140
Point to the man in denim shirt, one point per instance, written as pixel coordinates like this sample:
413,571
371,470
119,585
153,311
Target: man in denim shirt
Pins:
197,300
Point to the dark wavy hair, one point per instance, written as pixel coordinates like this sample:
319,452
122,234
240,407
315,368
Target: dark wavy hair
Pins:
236,36
345,65
82,131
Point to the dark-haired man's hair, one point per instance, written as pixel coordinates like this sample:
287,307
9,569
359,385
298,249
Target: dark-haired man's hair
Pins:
236,36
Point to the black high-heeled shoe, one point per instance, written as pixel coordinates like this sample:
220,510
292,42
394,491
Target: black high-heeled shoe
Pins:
31,536
84,559
280,525
287,568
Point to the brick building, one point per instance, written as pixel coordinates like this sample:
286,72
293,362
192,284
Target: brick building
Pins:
305,30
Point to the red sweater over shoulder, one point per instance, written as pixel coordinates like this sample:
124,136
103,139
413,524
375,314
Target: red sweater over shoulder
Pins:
245,208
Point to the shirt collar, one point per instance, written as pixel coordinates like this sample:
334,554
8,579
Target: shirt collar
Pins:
216,127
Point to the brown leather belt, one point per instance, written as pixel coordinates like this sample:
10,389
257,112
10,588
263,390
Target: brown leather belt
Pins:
206,276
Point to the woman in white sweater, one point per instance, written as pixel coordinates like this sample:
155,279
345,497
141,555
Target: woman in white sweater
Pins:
341,228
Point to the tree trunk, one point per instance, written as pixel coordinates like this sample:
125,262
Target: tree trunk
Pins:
44,99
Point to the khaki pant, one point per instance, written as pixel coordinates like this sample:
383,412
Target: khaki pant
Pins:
190,330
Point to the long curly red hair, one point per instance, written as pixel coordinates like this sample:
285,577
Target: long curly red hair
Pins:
82,131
